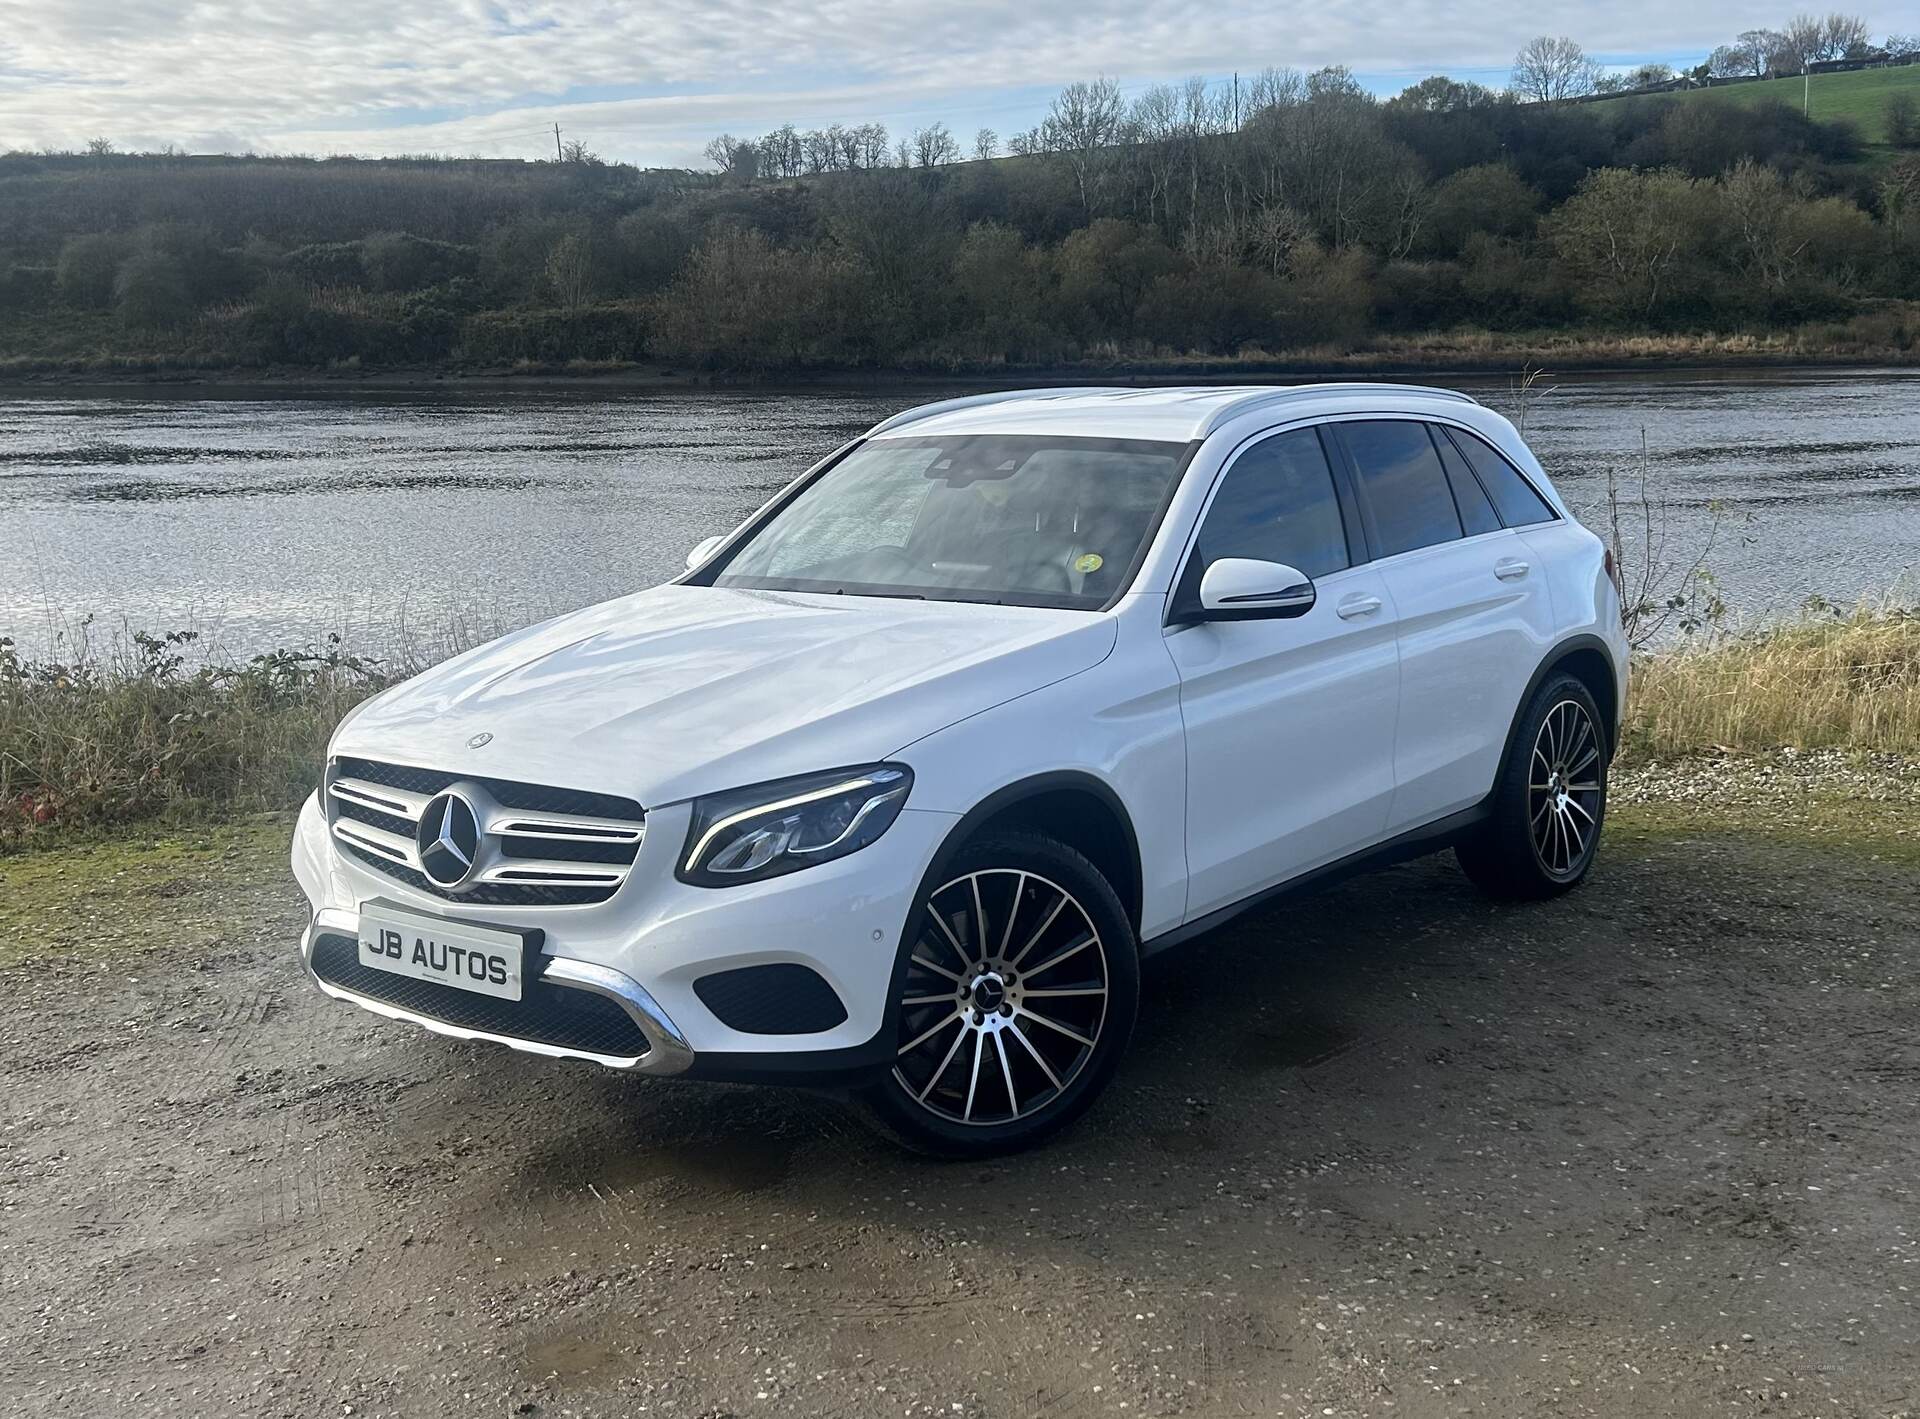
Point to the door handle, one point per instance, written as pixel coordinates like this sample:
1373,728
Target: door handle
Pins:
1356,606
1511,569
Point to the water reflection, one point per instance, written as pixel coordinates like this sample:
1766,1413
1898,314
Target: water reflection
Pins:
278,517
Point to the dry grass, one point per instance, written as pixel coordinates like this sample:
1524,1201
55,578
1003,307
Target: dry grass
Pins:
129,727
1825,682
155,730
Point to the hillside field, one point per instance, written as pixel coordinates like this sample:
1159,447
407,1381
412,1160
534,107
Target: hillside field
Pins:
1859,97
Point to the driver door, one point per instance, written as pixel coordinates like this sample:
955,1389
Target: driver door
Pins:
1289,722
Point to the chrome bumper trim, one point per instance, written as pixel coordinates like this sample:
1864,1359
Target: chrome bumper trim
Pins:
669,1053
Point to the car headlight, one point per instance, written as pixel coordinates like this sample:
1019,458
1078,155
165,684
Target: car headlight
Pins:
749,834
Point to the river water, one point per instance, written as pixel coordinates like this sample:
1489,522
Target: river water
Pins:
274,518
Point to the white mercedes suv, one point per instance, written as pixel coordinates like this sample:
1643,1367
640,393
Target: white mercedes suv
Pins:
896,786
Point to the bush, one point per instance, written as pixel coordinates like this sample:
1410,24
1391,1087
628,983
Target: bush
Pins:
605,332
397,261
1419,295
1215,310
746,303
87,267
27,289
150,292
1491,199
140,733
1901,118
333,263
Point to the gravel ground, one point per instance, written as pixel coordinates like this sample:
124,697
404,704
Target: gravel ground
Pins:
1648,1150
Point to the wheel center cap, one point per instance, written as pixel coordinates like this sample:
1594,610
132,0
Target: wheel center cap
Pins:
989,991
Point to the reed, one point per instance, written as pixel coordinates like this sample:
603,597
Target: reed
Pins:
133,728
1828,680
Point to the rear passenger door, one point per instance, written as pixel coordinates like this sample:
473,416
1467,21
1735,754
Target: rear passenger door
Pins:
1475,616
1289,722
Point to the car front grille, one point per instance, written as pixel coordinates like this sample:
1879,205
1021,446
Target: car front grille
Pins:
557,1015
541,846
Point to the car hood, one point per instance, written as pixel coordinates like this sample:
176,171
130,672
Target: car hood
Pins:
684,690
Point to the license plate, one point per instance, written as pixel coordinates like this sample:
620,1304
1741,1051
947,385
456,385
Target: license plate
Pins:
482,959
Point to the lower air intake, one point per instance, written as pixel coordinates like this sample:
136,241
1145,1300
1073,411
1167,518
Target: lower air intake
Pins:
556,1015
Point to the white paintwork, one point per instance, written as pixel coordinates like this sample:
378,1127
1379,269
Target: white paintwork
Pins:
1245,585
1244,753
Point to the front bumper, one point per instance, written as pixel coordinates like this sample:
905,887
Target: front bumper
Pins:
667,1049
647,948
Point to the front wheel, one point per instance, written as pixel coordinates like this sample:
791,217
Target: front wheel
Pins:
1549,801
1016,998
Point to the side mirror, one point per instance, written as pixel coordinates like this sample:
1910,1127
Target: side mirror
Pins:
703,550
1240,589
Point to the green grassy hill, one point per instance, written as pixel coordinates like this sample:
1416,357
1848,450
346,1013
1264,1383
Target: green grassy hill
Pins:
1860,97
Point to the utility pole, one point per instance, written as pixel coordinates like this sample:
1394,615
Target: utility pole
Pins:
558,155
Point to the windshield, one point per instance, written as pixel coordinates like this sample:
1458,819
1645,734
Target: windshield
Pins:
1022,520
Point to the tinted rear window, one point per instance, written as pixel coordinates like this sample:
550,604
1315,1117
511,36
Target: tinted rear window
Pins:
1476,510
1404,484
1519,504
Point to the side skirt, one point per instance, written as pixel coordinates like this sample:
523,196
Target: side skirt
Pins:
1415,842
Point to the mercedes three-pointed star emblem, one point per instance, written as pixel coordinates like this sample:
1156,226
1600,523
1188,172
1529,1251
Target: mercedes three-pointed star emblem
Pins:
448,839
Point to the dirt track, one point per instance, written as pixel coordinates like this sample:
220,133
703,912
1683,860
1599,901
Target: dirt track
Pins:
1650,1150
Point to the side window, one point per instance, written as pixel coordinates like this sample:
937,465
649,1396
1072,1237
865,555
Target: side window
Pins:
1476,509
1277,504
1519,504
1403,483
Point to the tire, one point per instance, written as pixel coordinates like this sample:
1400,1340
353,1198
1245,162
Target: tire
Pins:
1549,802
993,1052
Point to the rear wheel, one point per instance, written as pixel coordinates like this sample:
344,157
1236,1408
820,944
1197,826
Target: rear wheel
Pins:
1016,999
1549,801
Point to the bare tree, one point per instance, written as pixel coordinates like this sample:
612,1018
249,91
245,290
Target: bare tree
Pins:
1025,144
1085,121
734,157
570,271
100,148
1842,36
873,145
1550,69
934,147
1756,50
781,153
1811,39
986,145
575,151
1898,44
818,150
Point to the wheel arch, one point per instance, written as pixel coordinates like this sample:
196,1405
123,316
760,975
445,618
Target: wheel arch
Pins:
1071,806
1590,661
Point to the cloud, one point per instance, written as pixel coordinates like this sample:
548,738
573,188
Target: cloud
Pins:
648,82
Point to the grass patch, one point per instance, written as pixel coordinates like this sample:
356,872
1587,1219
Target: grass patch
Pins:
1858,97
1847,681
1823,819
143,890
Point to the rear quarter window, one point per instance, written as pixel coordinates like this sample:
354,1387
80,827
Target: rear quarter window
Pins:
1512,494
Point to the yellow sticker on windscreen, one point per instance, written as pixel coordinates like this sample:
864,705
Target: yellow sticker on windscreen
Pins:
1088,562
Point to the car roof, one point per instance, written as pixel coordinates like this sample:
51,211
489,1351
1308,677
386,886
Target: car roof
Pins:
1177,415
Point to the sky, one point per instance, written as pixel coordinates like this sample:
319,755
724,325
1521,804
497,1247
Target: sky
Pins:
651,82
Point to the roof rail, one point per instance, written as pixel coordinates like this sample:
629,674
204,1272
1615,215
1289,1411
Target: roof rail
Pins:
1247,403
972,401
